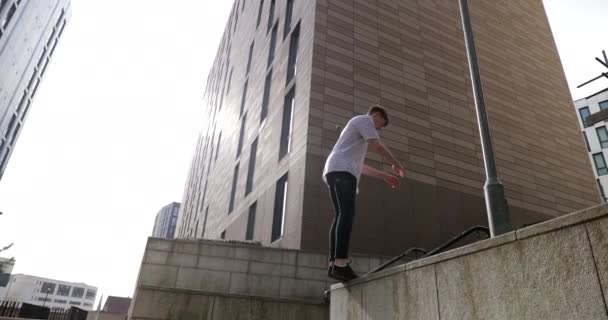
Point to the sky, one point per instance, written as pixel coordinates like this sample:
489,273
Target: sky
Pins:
109,139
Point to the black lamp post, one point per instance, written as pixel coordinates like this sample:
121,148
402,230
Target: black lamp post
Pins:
499,218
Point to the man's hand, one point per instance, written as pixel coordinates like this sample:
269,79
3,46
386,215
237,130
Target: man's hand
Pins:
399,170
391,180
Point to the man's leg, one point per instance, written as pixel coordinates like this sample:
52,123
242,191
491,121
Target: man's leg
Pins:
343,188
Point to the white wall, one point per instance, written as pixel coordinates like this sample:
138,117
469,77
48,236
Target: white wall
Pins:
25,288
594,144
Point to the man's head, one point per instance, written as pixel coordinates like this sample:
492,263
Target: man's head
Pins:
379,115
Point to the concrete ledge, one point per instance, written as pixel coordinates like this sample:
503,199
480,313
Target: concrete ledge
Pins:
568,220
553,270
231,295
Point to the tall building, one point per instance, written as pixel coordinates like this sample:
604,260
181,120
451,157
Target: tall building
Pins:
595,136
288,76
166,219
29,32
50,293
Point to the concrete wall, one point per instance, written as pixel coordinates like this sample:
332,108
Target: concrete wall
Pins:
102,315
554,270
183,279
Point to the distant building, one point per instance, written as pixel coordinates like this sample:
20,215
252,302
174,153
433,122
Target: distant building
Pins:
6,267
115,308
29,33
166,219
595,135
49,292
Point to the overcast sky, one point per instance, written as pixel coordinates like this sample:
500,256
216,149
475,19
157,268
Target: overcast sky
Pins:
111,134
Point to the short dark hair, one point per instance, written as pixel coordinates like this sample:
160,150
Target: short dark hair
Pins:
379,109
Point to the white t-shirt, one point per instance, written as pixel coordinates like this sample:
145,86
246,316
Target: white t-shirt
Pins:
349,152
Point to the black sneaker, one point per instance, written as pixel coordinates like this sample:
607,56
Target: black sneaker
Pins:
345,273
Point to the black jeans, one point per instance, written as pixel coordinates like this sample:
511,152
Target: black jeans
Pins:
342,190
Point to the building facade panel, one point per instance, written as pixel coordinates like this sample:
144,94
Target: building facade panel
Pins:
29,33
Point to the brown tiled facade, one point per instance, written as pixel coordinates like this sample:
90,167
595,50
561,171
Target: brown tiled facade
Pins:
410,57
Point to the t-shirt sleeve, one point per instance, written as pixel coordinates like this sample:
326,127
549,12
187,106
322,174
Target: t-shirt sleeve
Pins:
365,126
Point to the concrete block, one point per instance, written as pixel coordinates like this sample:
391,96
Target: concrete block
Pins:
182,259
311,273
551,276
313,260
264,268
346,304
236,309
158,304
238,283
156,257
157,275
159,244
289,257
189,278
564,221
198,307
598,236
189,247
217,281
267,286
288,271
222,264
418,295
217,250
302,289
266,255
381,299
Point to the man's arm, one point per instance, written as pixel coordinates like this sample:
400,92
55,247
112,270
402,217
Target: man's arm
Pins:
375,173
387,155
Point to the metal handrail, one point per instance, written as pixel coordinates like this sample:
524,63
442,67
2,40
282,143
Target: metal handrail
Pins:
480,229
397,258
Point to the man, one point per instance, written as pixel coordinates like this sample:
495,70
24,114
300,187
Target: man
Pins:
342,173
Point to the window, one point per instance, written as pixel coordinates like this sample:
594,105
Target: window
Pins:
601,188
244,98
75,303
250,56
273,44
205,222
602,135
600,164
243,5
586,141
271,14
235,178
44,299
60,301
288,16
15,133
278,218
584,112
77,292
48,287
293,54
217,150
257,24
229,82
266,96
251,171
9,16
63,290
285,144
251,221
223,235
241,136
604,105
